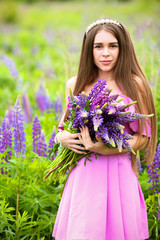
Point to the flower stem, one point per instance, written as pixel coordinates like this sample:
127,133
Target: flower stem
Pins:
47,175
18,194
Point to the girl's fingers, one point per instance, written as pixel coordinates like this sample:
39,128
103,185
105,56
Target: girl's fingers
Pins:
99,139
75,141
77,151
75,135
77,147
84,132
85,138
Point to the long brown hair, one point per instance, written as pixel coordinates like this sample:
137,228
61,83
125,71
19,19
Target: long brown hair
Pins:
126,73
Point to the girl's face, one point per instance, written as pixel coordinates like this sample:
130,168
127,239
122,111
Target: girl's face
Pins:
105,51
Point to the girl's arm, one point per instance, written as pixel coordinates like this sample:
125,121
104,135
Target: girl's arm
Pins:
67,139
137,143
71,141
69,85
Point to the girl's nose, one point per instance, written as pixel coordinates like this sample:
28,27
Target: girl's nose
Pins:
105,51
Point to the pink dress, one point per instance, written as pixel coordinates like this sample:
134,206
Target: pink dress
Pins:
103,200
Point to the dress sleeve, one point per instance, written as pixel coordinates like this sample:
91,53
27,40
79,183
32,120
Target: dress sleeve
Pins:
134,125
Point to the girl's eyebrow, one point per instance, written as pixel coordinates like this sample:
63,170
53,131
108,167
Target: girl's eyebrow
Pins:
102,43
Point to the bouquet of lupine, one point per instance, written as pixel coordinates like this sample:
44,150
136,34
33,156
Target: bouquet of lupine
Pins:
105,115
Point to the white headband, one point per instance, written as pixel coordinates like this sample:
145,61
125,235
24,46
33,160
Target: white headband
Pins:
102,21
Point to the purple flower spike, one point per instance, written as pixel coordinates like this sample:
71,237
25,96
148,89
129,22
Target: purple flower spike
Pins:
40,98
49,104
153,171
6,143
52,142
1,142
8,115
27,108
83,114
139,167
43,100
97,121
58,108
36,132
157,156
42,146
6,137
10,64
18,131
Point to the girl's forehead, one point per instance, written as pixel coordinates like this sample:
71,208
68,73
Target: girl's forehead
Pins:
104,35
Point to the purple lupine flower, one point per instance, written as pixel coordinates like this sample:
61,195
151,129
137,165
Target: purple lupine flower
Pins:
40,98
97,121
139,166
83,114
105,134
52,142
43,100
41,145
1,135
13,70
102,107
36,132
157,156
130,117
153,174
81,118
81,99
18,131
119,127
6,143
11,65
27,108
9,115
49,103
111,110
2,169
58,108
6,137
5,170
96,91
119,143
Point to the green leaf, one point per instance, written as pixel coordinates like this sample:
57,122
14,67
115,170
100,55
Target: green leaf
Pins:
87,105
53,150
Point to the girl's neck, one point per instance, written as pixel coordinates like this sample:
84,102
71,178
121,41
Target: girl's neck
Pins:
107,76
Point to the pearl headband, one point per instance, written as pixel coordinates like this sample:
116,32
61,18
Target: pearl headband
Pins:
102,21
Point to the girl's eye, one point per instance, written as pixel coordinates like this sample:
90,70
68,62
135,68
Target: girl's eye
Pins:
114,46
98,46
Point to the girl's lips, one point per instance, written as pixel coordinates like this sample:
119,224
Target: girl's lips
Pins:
106,62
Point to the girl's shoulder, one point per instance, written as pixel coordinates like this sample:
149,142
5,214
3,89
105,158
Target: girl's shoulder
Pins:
71,83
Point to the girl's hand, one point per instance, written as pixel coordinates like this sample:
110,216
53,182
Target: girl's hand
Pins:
137,143
86,140
72,142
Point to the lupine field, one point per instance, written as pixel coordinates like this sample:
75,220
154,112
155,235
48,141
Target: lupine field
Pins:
39,51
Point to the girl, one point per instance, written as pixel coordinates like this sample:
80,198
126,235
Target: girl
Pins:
103,200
